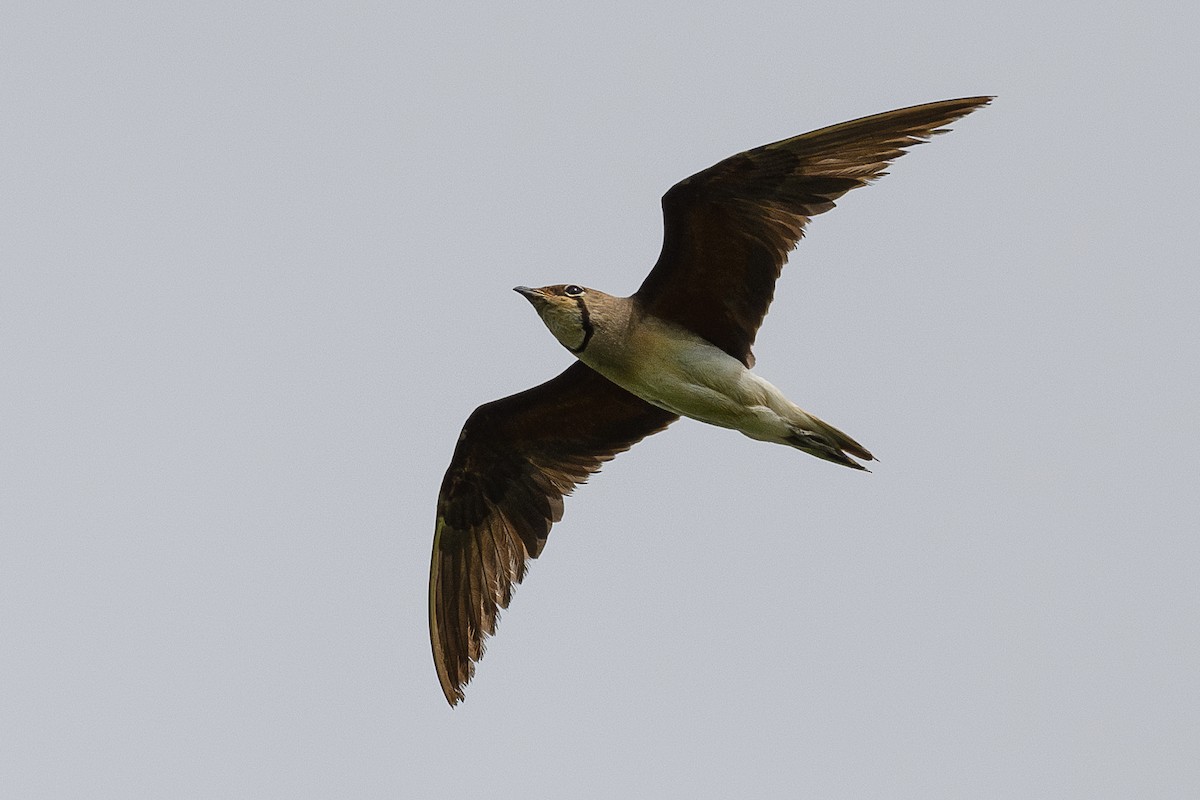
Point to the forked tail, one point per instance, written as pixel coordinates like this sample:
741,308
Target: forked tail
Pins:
824,441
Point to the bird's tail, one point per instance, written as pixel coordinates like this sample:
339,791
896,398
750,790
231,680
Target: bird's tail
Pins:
822,440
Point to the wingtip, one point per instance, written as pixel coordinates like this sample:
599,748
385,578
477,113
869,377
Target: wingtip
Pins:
453,696
972,102
453,692
969,104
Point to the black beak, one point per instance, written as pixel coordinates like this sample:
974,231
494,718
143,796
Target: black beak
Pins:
532,295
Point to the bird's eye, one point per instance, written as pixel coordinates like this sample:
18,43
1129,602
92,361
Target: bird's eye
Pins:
572,290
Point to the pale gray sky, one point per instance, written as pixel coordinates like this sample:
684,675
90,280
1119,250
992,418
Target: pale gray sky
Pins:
256,263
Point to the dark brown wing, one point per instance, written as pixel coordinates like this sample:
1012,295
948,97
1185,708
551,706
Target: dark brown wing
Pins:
515,459
729,228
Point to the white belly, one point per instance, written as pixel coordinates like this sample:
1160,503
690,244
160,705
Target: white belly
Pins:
694,379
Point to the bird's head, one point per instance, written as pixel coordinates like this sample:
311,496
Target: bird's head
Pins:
570,312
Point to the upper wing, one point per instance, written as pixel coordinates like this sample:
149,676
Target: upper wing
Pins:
515,459
729,228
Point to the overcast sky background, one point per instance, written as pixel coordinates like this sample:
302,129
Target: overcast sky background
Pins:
255,271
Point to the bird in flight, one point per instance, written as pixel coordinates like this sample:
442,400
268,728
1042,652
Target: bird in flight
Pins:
679,346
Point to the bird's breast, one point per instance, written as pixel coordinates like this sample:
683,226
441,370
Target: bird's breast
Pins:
675,370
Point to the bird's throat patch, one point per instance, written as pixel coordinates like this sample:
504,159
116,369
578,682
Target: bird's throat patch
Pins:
585,322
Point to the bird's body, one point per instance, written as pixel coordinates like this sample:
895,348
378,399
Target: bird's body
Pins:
679,346
674,369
